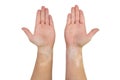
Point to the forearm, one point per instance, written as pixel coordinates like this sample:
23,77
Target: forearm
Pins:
74,64
43,65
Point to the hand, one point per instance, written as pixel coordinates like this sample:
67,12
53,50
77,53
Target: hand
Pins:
75,32
44,34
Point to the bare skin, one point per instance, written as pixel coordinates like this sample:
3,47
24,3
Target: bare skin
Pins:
43,38
76,37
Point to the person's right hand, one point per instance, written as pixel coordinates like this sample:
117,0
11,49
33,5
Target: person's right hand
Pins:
44,34
75,32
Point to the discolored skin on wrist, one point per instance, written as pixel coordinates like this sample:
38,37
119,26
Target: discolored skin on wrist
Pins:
45,54
74,55
74,64
76,37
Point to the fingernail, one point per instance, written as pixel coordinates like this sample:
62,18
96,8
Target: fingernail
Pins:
43,7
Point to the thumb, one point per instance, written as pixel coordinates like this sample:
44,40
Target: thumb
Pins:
93,32
27,32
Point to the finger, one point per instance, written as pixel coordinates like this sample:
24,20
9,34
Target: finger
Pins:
69,19
73,14
82,19
46,16
51,20
93,32
77,14
38,17
28,33
42,16
38,20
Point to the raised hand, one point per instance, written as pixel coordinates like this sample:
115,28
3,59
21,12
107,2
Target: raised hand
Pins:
43,38
44,33
75,32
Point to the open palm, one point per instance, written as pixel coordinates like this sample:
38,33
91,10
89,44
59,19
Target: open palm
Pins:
44,34
75,32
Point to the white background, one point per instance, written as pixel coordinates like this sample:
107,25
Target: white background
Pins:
18,55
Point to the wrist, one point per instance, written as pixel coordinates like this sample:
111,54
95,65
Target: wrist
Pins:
74,49
45,50
45,55
74,46
73,52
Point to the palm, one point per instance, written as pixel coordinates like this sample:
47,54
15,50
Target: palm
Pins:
74,35
75,32
44,34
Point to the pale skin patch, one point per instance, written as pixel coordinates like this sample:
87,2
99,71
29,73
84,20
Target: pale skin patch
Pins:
45,53
43,63
78,60
75,56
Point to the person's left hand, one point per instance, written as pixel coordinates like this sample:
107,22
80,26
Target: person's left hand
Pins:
75,31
